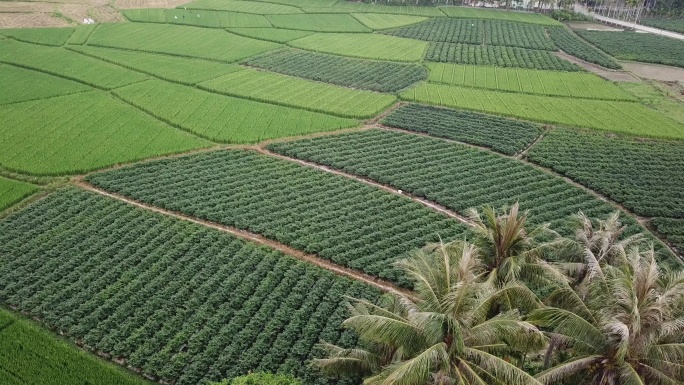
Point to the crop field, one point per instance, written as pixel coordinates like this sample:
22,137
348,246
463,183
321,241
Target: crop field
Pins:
625,117
380,21
345,221
76,140
20,84
359,7
551,83
497,56
348,72
672,229
479,13
277,35
196,17
500,134
644,176
191,304
235,121
570,43
675,25
256,7
81,34
201,43
294,92
364,46
13,191
643,47
318,22
44,36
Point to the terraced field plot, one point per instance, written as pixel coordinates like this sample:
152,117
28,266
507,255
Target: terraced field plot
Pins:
45,36
643,47
318,22
557,83
197,18
369,46
480,13
191,304
13,191
342,220
295,92
201,43
259,8
277,35
225,119
21,84
356,73
69,135
625,117
380,21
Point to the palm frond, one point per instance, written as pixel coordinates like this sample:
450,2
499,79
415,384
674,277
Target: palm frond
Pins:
499,369
567,369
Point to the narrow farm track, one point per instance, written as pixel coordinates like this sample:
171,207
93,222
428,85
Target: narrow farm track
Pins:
246,235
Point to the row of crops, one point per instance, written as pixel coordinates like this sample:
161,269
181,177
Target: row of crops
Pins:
13,191
644,47
183,303
570,43
672,229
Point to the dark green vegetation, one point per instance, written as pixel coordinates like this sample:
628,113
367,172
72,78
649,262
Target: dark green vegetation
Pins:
645,176
676,25
455,175
44,36
489,32
570,43
260,378
497,56
672,229
182,302
31,355
504,135
356,73
348,222
644,47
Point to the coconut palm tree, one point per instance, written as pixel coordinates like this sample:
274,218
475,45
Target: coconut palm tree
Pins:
626,327
444,333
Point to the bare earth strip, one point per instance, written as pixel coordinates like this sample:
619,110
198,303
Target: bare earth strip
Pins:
655,71
30,20
310,258
617,76
105,14
26,7
131,4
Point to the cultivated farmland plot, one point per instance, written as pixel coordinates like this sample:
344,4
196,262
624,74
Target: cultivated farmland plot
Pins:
368,46
44,36
277,35
380,21
20,84
479,13
644,47
318,22
197,18
13,191
355,7
570,43
255,7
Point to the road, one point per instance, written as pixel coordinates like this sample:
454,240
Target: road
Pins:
581,9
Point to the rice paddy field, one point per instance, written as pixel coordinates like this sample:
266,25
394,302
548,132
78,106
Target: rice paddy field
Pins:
190,194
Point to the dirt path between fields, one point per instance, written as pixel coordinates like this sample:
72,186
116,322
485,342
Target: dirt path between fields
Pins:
655,71
617,76
252,237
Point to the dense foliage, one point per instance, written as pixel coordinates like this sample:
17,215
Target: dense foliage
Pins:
348,72
672,230
569,43
20,84
497,56
345,221
675,25
318,22
261,378
644,176
644,47
565,15
504,135
368,46
12,191
181,302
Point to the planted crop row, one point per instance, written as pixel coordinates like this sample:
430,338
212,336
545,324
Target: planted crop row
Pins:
176,40
570,43
318,22
553,83
369,46
379,21
44,36
183,303
196,18
644,47
626,117
12,191
454,175
339,219
277,35
504,135
223,118
81,34
645,176
294,92
497,56
20,84
81,132
672,230
676,25
259,8
348,72
484,13
360,7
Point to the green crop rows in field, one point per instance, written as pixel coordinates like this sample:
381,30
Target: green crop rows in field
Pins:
454,175
556,83
482,13
318,22
178,40
81,34
676,25
277,35
348,72
497,56
339,219
32,355
294,92
222,118
504,135
671,229
370,46
196,17
645,176
81,132
45,36
644,47
176,69
357,7
13,191
67,64
20,84
617,116
379,21
182,302
255,7
568,42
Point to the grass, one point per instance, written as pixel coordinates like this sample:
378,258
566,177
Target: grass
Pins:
318,23
294,92
29,354
225,119
13,191
653,95
176,40
276,35
197,18
617,116
82,132
45,36
20,84
380,21
255,7
556,83
483,13
369,46
67,64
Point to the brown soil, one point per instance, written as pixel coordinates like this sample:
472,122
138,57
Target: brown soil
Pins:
128,4
26,7
30,20
74,11
617,76
592,26
105,14
655,71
